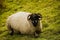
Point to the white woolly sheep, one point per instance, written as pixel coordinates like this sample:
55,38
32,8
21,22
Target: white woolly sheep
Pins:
25,23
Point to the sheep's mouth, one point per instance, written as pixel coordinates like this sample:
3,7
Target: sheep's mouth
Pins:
35,23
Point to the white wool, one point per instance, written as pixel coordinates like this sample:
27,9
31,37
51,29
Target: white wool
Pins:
19,22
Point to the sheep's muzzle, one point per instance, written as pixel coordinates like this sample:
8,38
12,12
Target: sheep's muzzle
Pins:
35,23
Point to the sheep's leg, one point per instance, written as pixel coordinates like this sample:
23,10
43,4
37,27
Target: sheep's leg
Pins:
11,31
38,31
36,35
18,32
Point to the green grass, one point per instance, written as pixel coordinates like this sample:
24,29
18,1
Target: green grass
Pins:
50,10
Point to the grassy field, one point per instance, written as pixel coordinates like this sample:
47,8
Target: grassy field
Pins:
50,10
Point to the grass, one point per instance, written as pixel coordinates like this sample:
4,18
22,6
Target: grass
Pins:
50,10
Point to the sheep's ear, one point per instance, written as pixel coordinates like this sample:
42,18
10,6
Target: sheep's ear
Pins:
40,16
29,16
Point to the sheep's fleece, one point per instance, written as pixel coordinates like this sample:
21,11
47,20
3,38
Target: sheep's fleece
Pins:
19,22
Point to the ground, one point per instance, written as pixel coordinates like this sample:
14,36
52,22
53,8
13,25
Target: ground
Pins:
50,10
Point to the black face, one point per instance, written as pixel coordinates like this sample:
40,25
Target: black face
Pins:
35,18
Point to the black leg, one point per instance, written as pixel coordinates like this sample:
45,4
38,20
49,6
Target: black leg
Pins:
36,35
11,31
38,32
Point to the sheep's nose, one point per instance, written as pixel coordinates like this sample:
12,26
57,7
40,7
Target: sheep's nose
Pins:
35,22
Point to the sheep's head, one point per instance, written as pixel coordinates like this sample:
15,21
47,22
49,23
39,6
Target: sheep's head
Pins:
35,18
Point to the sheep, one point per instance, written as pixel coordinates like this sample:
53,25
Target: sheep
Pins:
25,23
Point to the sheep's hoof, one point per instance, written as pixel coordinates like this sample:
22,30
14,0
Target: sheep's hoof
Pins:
11,33
36,35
